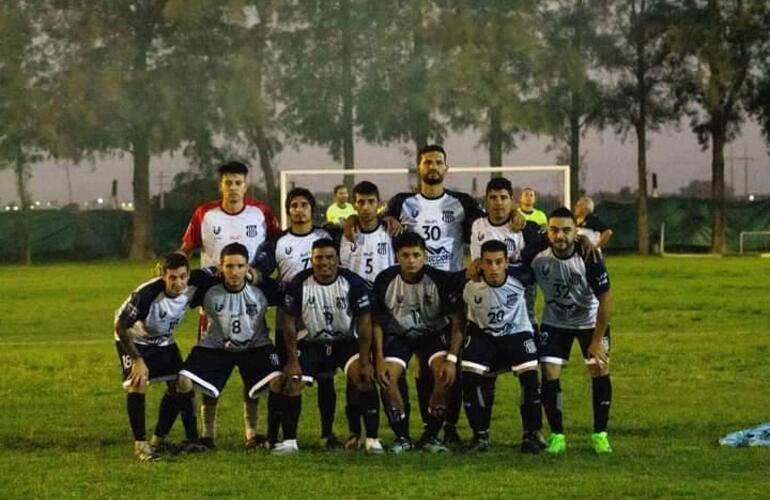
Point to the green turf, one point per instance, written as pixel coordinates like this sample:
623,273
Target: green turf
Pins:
689,354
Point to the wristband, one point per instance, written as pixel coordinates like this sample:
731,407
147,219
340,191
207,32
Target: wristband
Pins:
452,358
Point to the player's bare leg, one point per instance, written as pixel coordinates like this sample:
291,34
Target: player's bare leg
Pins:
370,406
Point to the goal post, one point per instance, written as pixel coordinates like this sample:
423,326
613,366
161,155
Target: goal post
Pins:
551,182
755,242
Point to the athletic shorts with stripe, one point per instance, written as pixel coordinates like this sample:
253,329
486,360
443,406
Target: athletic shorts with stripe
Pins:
398,349
163,362
209,369
555,343
485,355
321,359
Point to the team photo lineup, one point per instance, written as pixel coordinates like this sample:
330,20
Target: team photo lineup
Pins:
380,284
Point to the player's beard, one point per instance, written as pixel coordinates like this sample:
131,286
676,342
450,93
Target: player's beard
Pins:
433,178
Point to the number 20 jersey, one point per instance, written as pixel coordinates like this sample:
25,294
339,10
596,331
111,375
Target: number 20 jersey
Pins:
499,310
444,223
570,286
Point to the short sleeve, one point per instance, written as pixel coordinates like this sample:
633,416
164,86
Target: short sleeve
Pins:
597,276
358,296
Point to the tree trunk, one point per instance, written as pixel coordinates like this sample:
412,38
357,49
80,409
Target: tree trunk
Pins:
495,138
347,94
266,165
141,234
574,150
25,238
642,217
719,223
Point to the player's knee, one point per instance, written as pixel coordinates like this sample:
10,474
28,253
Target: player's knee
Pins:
139,389
551,371
293,387
598,370
184,385
438,411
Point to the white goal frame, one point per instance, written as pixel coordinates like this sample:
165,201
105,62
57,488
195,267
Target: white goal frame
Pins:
286,173
744,233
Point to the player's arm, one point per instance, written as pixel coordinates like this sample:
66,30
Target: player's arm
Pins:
364,324
604,238
191,239
292,308
379,357
599,281
601,227
129,317
457,325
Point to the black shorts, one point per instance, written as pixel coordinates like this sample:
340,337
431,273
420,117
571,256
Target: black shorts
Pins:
397,349
486,355
319,359
210,368
163,362
555,343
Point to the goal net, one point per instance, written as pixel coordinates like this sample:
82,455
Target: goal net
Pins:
550,182
754,242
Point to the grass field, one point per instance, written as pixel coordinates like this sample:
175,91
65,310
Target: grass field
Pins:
690,340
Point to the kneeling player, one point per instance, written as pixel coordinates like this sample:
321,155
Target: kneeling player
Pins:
500,337
144,335
237,336
333,304
418,310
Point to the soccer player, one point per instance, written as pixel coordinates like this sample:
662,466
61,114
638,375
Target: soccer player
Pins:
237,335
144,336
340,210
527,200
333,305
232,218
500,337
578,302
589,224
372,250
417,309
291,254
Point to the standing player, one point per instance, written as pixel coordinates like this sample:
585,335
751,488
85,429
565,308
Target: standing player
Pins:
291,254
417,309
215,224
340,210
589,224
144,333
237,334
578,302
527,207
333,304
500,337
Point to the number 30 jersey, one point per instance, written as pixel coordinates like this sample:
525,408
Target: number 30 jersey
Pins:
444,223
570,286
370,253
499,310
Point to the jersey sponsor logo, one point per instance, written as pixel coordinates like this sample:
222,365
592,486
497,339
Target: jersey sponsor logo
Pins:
478,299
530,347
382,248
510,299
162,314
252,230
219,307
415,213
545,269
288,250
217,230
311,301
447,216
481,236
437,257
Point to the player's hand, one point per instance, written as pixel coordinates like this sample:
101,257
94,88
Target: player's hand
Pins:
393,225
383,375
365,373
448,373
473,272
590,251
140,374
351,229
254,276
597,351
517,220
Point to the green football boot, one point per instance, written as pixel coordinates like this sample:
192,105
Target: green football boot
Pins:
601,442
557,444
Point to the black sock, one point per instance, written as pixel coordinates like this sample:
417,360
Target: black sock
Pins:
552,405
353,410
454,401
292,406
370,404
327,405
602,396
436,417
186,403
403,389
475,397
424,385
274,415
531,405
398,421
135,405
166,415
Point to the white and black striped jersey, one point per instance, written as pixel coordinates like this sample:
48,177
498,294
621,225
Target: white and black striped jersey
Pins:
499,310
371,253
416,309
570,287
159,313
236,318
483,230
292,251
444,223
329,312
592,227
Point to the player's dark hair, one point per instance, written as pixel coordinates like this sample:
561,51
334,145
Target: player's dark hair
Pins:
233,167
173,261
366,188
430,148
234,249
324,243
338,187
300,191
498,183
409,239
494,246
563,212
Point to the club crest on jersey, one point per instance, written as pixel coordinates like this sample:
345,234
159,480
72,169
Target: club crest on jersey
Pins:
447,216
510,299
382,248
511,244
217,230
341,303
252,230
530,347
274,359
251,309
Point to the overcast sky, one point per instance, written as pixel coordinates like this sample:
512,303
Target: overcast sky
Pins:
675,156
